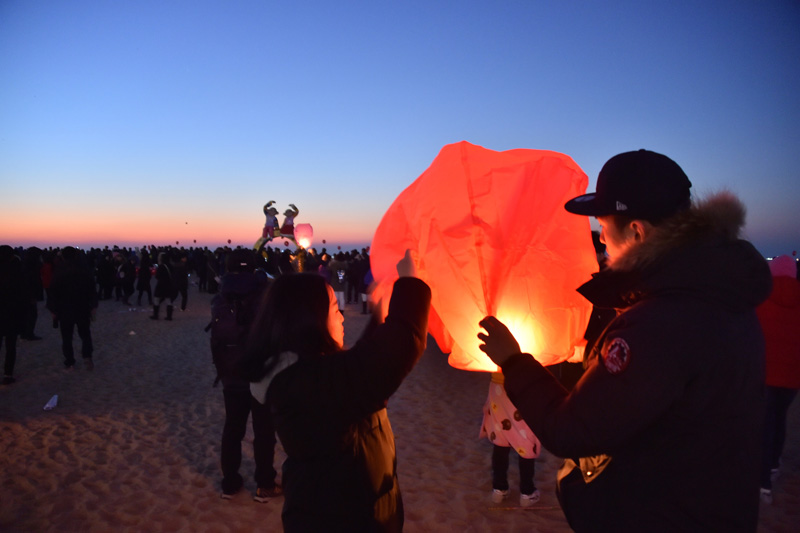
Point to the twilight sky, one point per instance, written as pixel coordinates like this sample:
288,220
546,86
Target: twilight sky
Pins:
138,122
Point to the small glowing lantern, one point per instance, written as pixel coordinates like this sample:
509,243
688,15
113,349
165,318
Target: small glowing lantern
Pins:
492,237
303,233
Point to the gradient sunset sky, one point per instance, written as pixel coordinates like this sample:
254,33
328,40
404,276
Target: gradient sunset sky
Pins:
138,122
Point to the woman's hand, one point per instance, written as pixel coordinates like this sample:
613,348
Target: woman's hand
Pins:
498,342
407,267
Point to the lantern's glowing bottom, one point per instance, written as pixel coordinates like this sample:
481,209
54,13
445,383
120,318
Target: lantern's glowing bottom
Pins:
474,359
304,243
522,329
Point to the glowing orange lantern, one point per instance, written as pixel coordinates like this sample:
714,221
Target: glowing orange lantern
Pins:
493,238
303,233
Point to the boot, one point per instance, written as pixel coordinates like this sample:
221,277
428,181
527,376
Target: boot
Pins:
155,313
169,313
139,300
364,307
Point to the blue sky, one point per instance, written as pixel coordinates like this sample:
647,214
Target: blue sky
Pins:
118,117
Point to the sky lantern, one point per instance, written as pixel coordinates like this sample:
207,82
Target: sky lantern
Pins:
492,237
303,233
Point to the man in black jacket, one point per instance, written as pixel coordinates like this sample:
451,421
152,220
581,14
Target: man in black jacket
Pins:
73,302
661,432
232,314
12,308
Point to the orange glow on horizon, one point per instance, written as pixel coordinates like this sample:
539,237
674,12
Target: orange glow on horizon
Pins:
128,230
77,222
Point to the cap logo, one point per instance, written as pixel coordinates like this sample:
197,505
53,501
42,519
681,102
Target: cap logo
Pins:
621,206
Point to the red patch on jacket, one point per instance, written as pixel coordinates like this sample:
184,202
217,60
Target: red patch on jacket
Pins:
617,356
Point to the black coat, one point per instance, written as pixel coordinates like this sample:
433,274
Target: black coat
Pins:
233,310
330,415
13,299
165,287
72,294
672,393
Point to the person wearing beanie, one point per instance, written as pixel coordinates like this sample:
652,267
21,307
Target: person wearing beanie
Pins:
661,431
779,317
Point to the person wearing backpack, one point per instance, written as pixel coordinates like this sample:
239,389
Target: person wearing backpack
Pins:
232,313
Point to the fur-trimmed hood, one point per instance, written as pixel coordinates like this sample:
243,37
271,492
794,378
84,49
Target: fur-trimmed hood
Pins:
698,251
721,215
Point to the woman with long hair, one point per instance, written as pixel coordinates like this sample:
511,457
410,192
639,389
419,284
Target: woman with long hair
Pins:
329,404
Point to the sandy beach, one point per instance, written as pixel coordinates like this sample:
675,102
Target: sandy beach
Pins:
134,444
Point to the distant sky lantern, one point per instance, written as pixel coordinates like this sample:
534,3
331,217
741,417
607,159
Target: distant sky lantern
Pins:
303,234
493,238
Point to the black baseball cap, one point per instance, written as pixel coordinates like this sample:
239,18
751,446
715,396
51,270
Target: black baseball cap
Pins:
640,184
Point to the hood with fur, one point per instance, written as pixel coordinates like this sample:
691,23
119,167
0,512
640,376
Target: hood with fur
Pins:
697,251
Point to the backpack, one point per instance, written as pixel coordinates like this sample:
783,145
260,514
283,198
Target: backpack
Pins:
231,316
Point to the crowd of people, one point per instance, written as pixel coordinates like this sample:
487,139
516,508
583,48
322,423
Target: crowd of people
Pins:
159,274
662,430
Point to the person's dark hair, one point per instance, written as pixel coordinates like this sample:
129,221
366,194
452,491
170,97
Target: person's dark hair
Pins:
240,260
292,316
69,254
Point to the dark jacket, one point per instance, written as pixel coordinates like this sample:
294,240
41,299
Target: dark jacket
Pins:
232,312
143,275
12,294
127,274
330,415
72,294
665,423
165,287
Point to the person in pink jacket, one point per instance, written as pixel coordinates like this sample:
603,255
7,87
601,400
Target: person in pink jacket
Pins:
780,318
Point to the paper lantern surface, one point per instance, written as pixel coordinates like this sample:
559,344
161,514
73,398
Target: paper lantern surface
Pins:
303,234
493,238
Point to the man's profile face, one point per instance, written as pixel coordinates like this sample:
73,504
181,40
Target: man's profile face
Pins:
616,239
